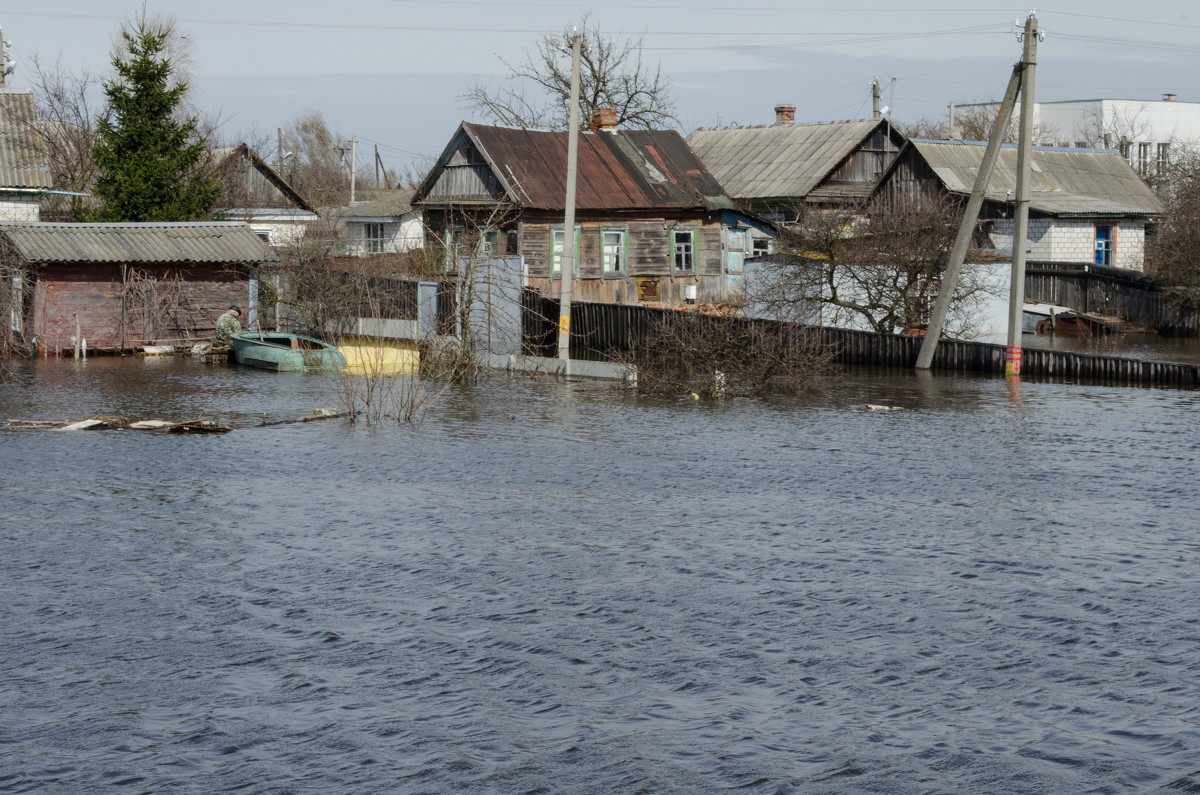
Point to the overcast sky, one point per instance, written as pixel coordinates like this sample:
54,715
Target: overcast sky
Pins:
392,71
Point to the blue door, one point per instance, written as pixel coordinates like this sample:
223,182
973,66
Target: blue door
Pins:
1104,244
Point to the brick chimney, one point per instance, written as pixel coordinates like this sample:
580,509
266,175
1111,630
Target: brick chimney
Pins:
785,115
604,119
1168,97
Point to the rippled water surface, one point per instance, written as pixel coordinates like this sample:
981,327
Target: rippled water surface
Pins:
557,587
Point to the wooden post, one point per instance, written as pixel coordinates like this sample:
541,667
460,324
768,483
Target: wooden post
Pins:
78,336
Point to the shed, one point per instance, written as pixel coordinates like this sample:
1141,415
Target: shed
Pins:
129,284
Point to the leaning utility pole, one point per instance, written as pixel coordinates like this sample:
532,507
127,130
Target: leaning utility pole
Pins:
1016,294
567,271
966,228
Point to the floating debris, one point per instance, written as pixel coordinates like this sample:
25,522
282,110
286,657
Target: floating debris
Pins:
202,425
149,425
878,407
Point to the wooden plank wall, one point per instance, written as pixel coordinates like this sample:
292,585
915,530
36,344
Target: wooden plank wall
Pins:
598,330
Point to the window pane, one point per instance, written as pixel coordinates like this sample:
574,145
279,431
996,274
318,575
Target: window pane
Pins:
558,236
614,251
684,250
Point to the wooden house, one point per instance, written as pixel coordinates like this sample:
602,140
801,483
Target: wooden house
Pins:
775,170
652,224
254,192
1086,206
126,285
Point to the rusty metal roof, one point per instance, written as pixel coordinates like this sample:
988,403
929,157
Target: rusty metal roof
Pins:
1064,181
23,162
778,162
215,242
617,170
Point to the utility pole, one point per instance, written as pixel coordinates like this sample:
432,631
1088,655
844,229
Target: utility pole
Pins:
376,166
567,273
3,60
875,112
966,229
1016,294
353,165
279,150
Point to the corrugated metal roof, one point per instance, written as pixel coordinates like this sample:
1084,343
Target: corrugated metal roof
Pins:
616,170
22,151
392,205
777,162
218,242
1063,181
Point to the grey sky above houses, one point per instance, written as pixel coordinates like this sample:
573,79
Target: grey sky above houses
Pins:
392,72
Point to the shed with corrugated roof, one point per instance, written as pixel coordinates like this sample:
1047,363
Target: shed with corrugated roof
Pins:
129,284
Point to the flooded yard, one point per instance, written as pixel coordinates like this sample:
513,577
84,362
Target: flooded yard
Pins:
552,586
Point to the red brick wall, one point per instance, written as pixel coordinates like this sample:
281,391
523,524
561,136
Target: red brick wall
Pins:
183,313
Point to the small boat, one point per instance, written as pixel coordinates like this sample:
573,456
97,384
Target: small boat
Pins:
291,352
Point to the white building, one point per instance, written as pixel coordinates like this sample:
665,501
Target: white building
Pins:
1145,132
385,225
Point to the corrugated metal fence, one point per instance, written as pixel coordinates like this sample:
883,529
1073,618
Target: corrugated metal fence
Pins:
599,330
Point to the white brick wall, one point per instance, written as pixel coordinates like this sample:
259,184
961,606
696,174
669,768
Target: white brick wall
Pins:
1058,240
21,209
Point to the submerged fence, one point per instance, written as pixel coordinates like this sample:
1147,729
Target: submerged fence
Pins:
600,331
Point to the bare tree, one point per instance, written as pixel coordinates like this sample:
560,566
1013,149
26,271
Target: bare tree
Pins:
877,265
537,91
974,123
924,127
66,121
1174,251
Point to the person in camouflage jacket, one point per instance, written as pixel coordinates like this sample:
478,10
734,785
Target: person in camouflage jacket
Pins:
228,324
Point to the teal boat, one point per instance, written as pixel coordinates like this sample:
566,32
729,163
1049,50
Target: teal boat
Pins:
287,352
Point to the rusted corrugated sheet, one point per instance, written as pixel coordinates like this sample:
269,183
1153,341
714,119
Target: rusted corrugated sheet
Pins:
617,170
22,150
219,243
778,162
1063,181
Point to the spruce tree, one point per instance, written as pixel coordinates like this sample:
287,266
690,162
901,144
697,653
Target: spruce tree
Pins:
148,156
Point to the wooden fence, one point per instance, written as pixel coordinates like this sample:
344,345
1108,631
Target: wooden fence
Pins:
600,330
1115,292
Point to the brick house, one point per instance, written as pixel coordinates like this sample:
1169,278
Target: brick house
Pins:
1087,206
128,284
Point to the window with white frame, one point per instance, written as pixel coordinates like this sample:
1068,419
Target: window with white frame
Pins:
1143,162
1164,158
558,237
612,250
683,244
375,236
17,308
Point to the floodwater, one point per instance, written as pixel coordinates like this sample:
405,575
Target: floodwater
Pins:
559,587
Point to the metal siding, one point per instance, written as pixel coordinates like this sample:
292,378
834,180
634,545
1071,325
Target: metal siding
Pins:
218,243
